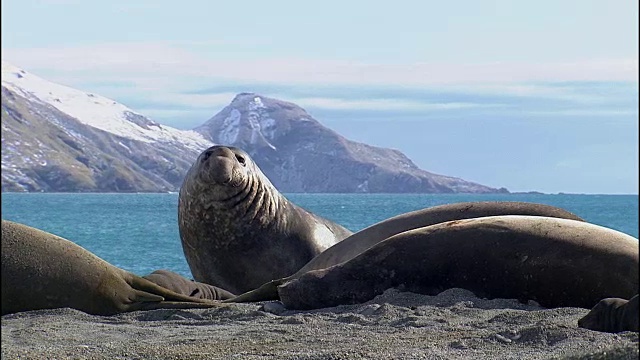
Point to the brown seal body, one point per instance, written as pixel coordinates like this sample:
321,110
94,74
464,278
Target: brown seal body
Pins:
44,271
366,238
182,285
556,262
613,315
238,231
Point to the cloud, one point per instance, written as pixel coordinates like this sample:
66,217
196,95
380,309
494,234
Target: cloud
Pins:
183,102
155,59
387,104
588,112
176,81
179,103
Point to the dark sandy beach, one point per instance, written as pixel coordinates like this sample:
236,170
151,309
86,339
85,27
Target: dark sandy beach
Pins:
398,325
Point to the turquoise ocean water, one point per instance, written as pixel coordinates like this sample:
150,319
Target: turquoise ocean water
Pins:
139,232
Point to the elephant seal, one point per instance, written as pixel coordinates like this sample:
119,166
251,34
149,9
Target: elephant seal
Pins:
364,239
181,285
238,231
613,315
44,271
556,262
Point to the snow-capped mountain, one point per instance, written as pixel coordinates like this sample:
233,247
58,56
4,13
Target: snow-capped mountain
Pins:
56,138
95,110
299,154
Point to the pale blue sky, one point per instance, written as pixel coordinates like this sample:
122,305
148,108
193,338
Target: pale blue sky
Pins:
529,95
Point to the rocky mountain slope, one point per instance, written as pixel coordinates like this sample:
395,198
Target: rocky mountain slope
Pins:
55,138
298,154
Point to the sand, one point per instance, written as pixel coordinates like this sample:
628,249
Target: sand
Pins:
395,325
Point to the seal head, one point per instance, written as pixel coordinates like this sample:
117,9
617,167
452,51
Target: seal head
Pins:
612,315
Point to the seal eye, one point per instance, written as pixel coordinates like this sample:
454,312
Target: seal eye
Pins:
241,160
206,155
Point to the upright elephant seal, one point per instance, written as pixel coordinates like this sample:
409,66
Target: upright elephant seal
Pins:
556,262
182,285
238,231
44,271
613,315
364,239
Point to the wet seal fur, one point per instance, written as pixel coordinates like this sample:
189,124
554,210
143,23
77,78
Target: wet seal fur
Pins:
182,285
44,271
555,262
366,238
613,315
238,231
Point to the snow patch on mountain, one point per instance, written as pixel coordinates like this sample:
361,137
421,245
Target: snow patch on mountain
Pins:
256,104
230,128
97,111
262,126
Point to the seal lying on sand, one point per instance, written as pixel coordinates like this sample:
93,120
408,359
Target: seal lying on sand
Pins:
362,240
355,244
238,231
44,271
556,262
182,285
613,315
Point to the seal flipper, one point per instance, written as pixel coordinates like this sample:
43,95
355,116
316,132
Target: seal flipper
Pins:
143,296
268,291
151,288
143,300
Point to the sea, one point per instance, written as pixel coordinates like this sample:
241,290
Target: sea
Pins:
138,232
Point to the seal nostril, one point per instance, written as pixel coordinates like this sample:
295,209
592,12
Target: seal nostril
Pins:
241,159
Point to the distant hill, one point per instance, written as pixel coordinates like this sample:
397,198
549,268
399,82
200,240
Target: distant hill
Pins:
299,154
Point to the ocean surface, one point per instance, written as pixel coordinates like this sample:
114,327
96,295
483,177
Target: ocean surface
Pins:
139,232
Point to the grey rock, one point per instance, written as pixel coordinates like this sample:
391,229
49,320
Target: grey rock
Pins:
273,307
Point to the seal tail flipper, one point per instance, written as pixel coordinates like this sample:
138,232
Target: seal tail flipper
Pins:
268,291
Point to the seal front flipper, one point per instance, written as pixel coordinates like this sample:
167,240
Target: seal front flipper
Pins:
180,284
151,288
144,300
